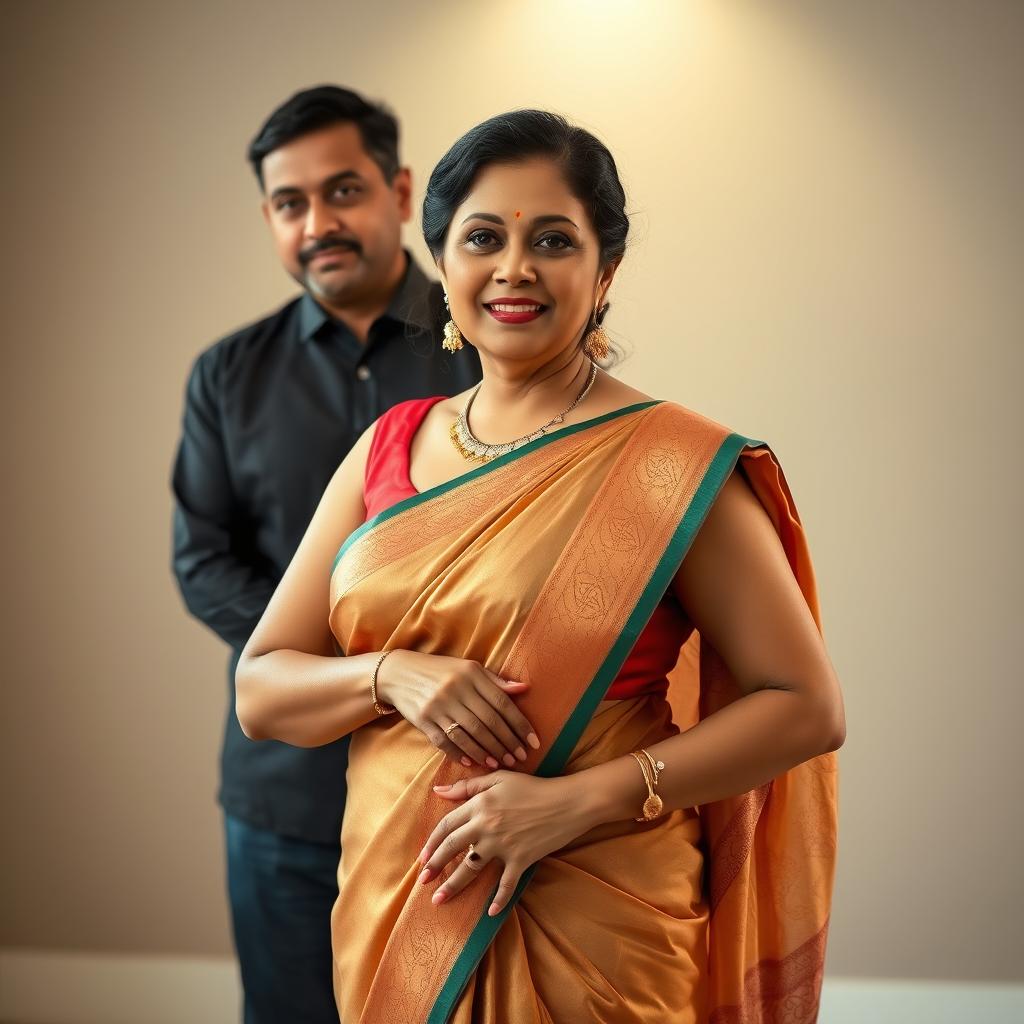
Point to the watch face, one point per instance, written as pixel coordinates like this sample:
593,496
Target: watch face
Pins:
652,807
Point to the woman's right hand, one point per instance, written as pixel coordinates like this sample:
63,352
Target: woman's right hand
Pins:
435,692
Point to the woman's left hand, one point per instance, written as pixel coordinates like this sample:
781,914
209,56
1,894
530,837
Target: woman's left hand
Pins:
507,816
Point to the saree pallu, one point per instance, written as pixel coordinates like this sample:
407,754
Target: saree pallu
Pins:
544,565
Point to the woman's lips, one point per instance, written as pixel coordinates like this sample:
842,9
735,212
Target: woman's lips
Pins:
514,312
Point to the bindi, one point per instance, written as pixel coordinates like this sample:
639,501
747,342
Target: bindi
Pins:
519,214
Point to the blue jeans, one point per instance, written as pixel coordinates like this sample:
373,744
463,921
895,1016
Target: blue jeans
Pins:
281,892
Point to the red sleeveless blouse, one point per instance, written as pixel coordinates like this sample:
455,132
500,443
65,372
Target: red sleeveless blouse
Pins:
387,482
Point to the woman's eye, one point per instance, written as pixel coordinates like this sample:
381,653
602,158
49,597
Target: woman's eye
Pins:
558,242
480,238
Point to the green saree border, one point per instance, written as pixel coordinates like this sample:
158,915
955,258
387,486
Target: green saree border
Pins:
556,758
503,460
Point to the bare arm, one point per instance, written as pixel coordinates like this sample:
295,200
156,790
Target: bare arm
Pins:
291,685
739,590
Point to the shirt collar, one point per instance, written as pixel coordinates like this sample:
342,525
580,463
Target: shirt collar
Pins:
410,303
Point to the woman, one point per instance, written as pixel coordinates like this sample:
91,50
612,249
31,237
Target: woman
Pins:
528,815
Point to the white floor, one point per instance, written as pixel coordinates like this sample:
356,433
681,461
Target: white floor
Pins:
73,988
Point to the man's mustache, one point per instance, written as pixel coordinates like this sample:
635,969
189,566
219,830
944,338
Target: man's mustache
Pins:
327,245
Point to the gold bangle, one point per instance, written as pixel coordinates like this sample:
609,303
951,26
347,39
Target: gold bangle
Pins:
657,767
381,709
645,771
650,768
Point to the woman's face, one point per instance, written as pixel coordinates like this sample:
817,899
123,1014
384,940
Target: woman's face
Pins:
521,263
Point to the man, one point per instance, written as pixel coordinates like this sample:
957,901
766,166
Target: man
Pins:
270,412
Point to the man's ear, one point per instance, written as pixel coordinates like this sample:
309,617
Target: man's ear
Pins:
402,185
265,207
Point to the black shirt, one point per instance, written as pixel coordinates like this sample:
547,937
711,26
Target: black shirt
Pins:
270,412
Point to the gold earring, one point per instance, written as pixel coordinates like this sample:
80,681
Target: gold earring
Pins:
452,337
596,344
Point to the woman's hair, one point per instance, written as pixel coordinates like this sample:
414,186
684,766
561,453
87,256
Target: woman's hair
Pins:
323,105
521,135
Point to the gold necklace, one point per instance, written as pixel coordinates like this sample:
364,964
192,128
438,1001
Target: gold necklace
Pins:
471,447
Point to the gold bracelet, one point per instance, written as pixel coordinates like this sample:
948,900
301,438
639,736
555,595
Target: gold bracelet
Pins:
381,709
651,769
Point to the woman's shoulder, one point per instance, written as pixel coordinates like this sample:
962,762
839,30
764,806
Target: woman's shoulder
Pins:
680,420
410,408
692,422
402,419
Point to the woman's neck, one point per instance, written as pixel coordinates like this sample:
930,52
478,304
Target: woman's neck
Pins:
510,404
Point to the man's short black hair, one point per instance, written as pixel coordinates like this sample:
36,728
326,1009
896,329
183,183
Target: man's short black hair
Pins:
319,107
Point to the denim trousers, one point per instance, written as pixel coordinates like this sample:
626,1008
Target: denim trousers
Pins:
281,892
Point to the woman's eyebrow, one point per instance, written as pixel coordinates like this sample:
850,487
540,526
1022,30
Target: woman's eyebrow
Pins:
554,218
485,216
547,218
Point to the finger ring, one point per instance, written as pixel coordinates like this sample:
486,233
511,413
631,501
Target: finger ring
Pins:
451,728
473,859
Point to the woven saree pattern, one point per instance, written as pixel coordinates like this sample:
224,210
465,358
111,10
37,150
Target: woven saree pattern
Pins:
545,566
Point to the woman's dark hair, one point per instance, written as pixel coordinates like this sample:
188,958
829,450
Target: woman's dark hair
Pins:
319,107
521,135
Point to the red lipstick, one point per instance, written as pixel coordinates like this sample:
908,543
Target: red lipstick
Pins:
514,310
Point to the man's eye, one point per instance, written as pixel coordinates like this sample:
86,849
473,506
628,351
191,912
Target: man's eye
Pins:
346,191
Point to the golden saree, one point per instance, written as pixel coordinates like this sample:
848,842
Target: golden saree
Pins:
544,565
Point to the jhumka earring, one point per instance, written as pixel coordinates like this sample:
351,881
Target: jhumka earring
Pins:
596,342
452,335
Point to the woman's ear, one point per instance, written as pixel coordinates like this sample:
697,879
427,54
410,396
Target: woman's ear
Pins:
604,282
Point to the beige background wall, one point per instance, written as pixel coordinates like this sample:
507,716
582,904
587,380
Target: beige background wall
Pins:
827,254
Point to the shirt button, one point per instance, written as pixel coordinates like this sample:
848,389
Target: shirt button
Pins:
363,372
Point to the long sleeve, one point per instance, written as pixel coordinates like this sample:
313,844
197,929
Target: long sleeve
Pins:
223,586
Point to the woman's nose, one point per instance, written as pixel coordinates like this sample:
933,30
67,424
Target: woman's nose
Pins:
515,266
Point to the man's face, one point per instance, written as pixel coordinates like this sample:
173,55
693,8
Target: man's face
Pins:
336,222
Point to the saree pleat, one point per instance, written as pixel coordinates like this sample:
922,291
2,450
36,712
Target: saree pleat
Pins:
544,566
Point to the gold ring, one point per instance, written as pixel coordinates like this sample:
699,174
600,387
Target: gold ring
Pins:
472,858
449,730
